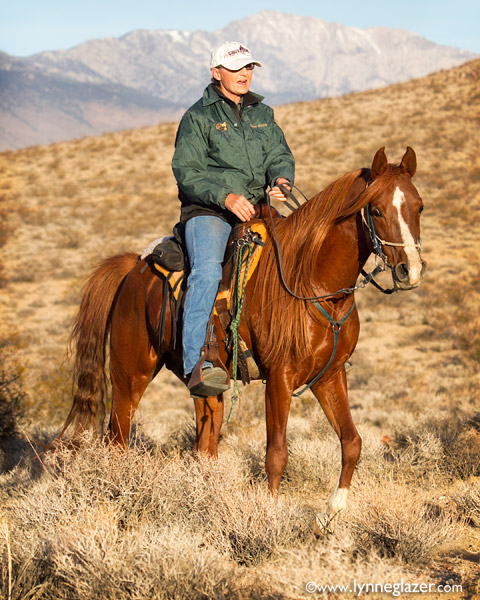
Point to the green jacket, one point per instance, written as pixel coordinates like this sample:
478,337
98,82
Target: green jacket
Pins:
217,153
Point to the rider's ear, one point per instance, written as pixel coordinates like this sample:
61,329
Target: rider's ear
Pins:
379,163
409,162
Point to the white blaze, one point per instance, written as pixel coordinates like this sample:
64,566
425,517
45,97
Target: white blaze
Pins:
413,256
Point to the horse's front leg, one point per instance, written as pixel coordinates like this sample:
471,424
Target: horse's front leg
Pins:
209,419
278,394
333,397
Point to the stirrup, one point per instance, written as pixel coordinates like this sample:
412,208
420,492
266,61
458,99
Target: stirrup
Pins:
215,382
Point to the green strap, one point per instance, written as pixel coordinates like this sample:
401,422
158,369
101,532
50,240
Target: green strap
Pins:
336,326
235,324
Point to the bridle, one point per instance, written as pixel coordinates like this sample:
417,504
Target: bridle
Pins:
376,240
381,261
381,264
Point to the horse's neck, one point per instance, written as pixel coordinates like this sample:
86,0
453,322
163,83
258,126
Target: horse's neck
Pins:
342,255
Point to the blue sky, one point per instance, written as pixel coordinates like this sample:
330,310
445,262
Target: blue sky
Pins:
30,26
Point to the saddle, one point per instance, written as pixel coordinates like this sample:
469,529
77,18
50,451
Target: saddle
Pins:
235,275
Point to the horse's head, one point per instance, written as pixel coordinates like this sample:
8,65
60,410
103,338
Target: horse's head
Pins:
393,218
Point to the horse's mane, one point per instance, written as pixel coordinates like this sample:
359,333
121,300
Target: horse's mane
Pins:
283,329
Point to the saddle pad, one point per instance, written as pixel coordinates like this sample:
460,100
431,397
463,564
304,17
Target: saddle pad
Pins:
174,279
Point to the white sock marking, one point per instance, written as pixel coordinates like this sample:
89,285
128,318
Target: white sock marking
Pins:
337,501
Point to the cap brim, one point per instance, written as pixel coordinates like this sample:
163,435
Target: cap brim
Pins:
235,65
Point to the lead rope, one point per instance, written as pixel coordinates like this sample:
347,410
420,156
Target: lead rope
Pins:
235,324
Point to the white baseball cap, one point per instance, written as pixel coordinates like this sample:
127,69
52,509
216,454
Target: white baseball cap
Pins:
233,56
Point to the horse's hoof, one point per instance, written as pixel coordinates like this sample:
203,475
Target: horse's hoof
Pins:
323,524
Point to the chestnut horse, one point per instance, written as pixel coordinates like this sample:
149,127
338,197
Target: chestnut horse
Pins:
290,319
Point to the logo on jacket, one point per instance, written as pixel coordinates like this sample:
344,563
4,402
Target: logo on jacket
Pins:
222,126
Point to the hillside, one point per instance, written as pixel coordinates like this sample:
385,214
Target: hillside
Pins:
415,380
59,198
150,76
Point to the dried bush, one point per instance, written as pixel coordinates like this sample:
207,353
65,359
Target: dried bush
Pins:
11,403
395,522
467,499
448,444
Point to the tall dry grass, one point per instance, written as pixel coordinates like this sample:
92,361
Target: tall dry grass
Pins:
153,523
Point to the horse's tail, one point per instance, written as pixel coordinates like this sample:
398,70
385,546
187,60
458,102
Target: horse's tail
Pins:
88,344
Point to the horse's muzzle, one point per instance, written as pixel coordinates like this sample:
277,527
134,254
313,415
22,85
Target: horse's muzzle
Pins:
401,276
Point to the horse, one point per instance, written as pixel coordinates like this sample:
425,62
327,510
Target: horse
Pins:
296,301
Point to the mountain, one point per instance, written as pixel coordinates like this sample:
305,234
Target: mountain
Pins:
145,77
38,107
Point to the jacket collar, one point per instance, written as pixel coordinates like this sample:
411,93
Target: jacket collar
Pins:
210,96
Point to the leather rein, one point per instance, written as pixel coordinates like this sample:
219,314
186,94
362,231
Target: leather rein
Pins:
336,325
381,263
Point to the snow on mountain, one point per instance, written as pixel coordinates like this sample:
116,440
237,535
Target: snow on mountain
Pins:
147,76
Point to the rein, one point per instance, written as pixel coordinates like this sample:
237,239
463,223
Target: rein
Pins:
368,278
245,249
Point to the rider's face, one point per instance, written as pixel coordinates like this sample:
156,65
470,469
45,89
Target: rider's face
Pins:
233,84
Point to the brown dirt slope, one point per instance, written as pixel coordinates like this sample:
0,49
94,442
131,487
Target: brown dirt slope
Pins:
415,387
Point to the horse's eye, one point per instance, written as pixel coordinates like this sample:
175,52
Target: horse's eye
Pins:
376,212
420,210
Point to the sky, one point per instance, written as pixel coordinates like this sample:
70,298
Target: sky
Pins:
31,26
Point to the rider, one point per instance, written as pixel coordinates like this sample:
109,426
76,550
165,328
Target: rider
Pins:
228,151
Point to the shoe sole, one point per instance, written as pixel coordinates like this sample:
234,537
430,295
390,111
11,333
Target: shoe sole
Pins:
208,389
212,384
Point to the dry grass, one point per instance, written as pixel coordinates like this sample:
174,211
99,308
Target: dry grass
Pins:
153,523
149,524
467,499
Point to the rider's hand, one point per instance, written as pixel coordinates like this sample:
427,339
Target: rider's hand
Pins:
240,206
277,193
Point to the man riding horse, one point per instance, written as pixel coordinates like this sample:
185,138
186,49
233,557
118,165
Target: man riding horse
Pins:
228,151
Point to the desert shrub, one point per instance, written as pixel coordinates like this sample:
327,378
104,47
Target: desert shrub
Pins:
53,391
251,525
158,522
467,499
448,444
69,189
169,563
313,463
11,403
4,233
395,522
330,563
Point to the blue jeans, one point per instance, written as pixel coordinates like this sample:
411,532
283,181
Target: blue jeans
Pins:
206,238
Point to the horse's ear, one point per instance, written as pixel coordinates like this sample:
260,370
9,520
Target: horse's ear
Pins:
409,162
379,163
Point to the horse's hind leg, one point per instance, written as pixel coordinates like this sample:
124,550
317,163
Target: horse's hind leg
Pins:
209,419
133,363
333,397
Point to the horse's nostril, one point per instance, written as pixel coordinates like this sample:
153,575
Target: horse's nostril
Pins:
401,271
424,268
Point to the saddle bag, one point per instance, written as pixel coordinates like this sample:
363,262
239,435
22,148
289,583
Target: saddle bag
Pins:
170,253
